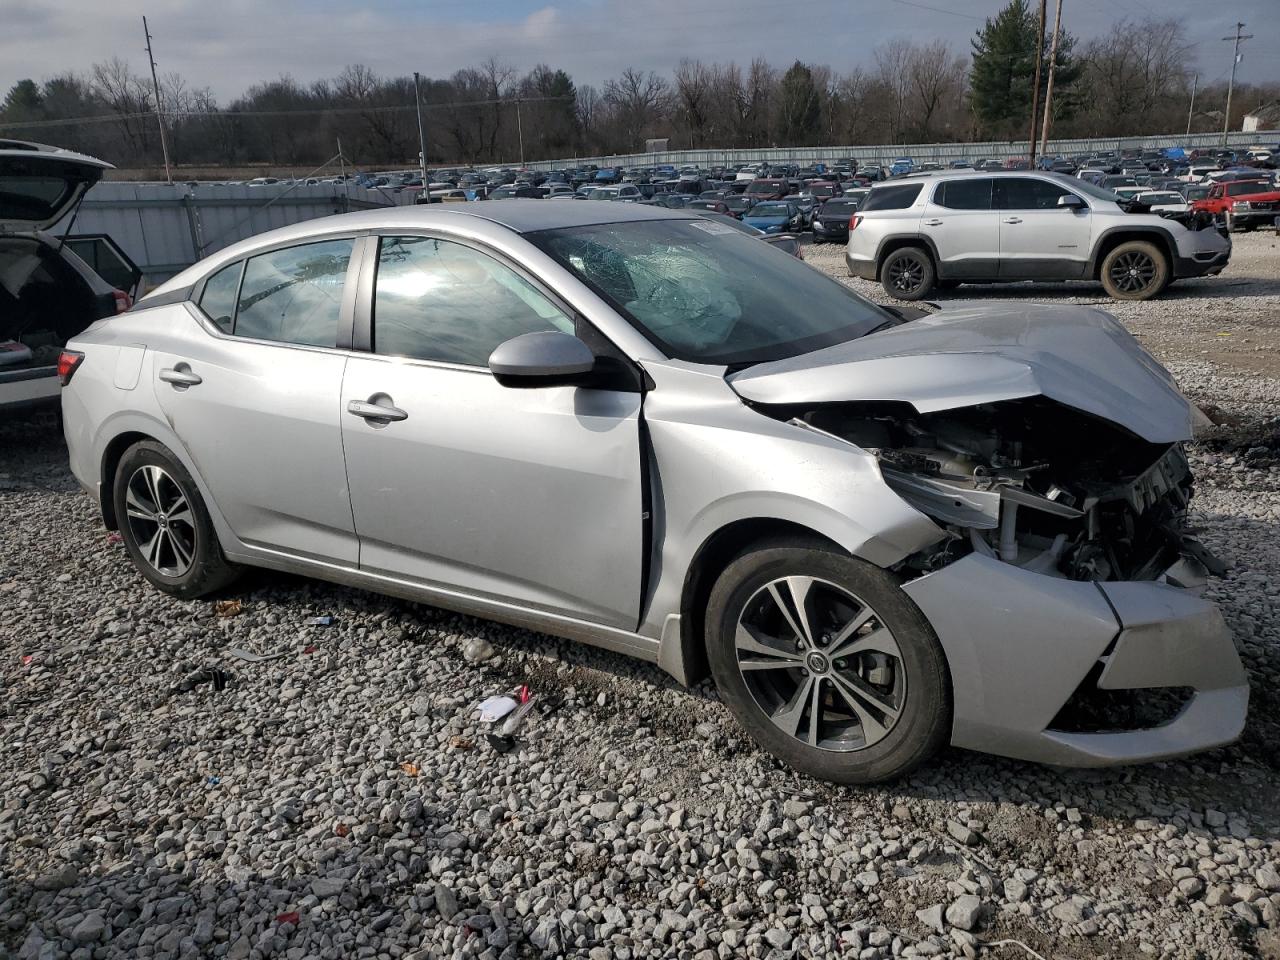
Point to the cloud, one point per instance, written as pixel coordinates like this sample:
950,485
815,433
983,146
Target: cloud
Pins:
231,44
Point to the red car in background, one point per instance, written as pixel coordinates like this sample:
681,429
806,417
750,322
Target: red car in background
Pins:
1247,204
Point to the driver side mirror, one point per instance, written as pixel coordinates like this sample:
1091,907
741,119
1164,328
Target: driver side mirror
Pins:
1071,202
543,359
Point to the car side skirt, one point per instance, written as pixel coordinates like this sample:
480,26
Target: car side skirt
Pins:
488,608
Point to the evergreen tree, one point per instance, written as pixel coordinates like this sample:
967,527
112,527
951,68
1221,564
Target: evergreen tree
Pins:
800,105
1004,66
23,102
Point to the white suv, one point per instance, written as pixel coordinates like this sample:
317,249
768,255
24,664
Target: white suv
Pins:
918,233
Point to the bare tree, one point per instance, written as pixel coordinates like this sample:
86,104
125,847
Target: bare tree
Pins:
639,98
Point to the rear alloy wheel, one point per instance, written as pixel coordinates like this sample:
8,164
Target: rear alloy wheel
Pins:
827,664
166,529
907,274
1136,270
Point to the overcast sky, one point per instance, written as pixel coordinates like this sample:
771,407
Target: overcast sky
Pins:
230,44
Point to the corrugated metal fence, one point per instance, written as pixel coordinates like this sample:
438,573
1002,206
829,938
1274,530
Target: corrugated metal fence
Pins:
941,152
165,228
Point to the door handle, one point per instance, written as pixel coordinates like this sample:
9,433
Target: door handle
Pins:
376,412
1012,219
933,223
180,376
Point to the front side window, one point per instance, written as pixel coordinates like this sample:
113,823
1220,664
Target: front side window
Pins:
439,300
704,292
1026,193
294,295
218,300
965,194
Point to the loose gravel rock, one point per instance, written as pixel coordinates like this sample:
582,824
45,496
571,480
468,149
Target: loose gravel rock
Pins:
342,801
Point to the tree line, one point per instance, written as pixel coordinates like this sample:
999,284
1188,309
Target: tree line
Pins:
1134,80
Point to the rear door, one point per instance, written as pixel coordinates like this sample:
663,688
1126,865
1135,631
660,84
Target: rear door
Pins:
252,394
960,221
1040,240
527,495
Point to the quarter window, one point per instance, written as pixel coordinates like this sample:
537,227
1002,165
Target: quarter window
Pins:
218,300
1028,193
965,194
294,295
439,300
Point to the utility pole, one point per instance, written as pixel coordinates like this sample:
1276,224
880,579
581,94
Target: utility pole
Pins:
1035,87
1235,61
1048,91
422,136
1195,79
155,85
520,131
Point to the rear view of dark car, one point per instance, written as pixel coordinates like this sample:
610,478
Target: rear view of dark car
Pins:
831,221
768,189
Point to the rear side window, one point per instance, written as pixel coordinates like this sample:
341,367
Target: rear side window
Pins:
964,194
1026,193
294,295
897,196
438,300
218,300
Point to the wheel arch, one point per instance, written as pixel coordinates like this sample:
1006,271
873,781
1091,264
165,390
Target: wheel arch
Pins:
111,457
712,557
1115,236
892,244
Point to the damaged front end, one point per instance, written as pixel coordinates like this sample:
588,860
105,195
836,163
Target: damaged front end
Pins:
1065,586
1035,484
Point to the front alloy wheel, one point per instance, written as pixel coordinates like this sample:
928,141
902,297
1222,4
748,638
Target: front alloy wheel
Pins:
820,663
826,663
1136,270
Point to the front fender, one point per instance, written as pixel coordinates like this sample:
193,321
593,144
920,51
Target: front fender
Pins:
717,462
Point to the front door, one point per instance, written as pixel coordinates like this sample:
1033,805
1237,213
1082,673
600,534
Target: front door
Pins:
1040,240
532,496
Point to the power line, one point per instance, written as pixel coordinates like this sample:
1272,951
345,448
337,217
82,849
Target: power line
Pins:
953,13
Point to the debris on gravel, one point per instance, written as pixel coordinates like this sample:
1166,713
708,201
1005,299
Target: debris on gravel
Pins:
346,802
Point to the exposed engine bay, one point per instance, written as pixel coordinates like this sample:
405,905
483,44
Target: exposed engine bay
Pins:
1036,484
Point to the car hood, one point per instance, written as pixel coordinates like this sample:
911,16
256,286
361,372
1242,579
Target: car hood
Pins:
39,185
975,352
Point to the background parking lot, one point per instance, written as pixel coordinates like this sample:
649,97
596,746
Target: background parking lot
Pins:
162,797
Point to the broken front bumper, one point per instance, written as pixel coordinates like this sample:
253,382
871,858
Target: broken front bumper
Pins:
1020,645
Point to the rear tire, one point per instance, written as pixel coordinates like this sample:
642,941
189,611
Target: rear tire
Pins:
1135,270
165,526
867,700
907,274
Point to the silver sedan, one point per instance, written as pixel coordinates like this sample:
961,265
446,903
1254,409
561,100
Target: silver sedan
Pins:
879,530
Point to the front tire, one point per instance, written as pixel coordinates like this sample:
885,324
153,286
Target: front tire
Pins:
907,274
165,526
1136,270
827,664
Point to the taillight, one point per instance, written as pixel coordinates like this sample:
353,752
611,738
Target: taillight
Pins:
854,221
123,300
68,363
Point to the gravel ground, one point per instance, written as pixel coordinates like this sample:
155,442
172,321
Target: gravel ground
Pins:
340,801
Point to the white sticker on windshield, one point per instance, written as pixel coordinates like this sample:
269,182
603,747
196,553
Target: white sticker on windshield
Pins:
710,226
